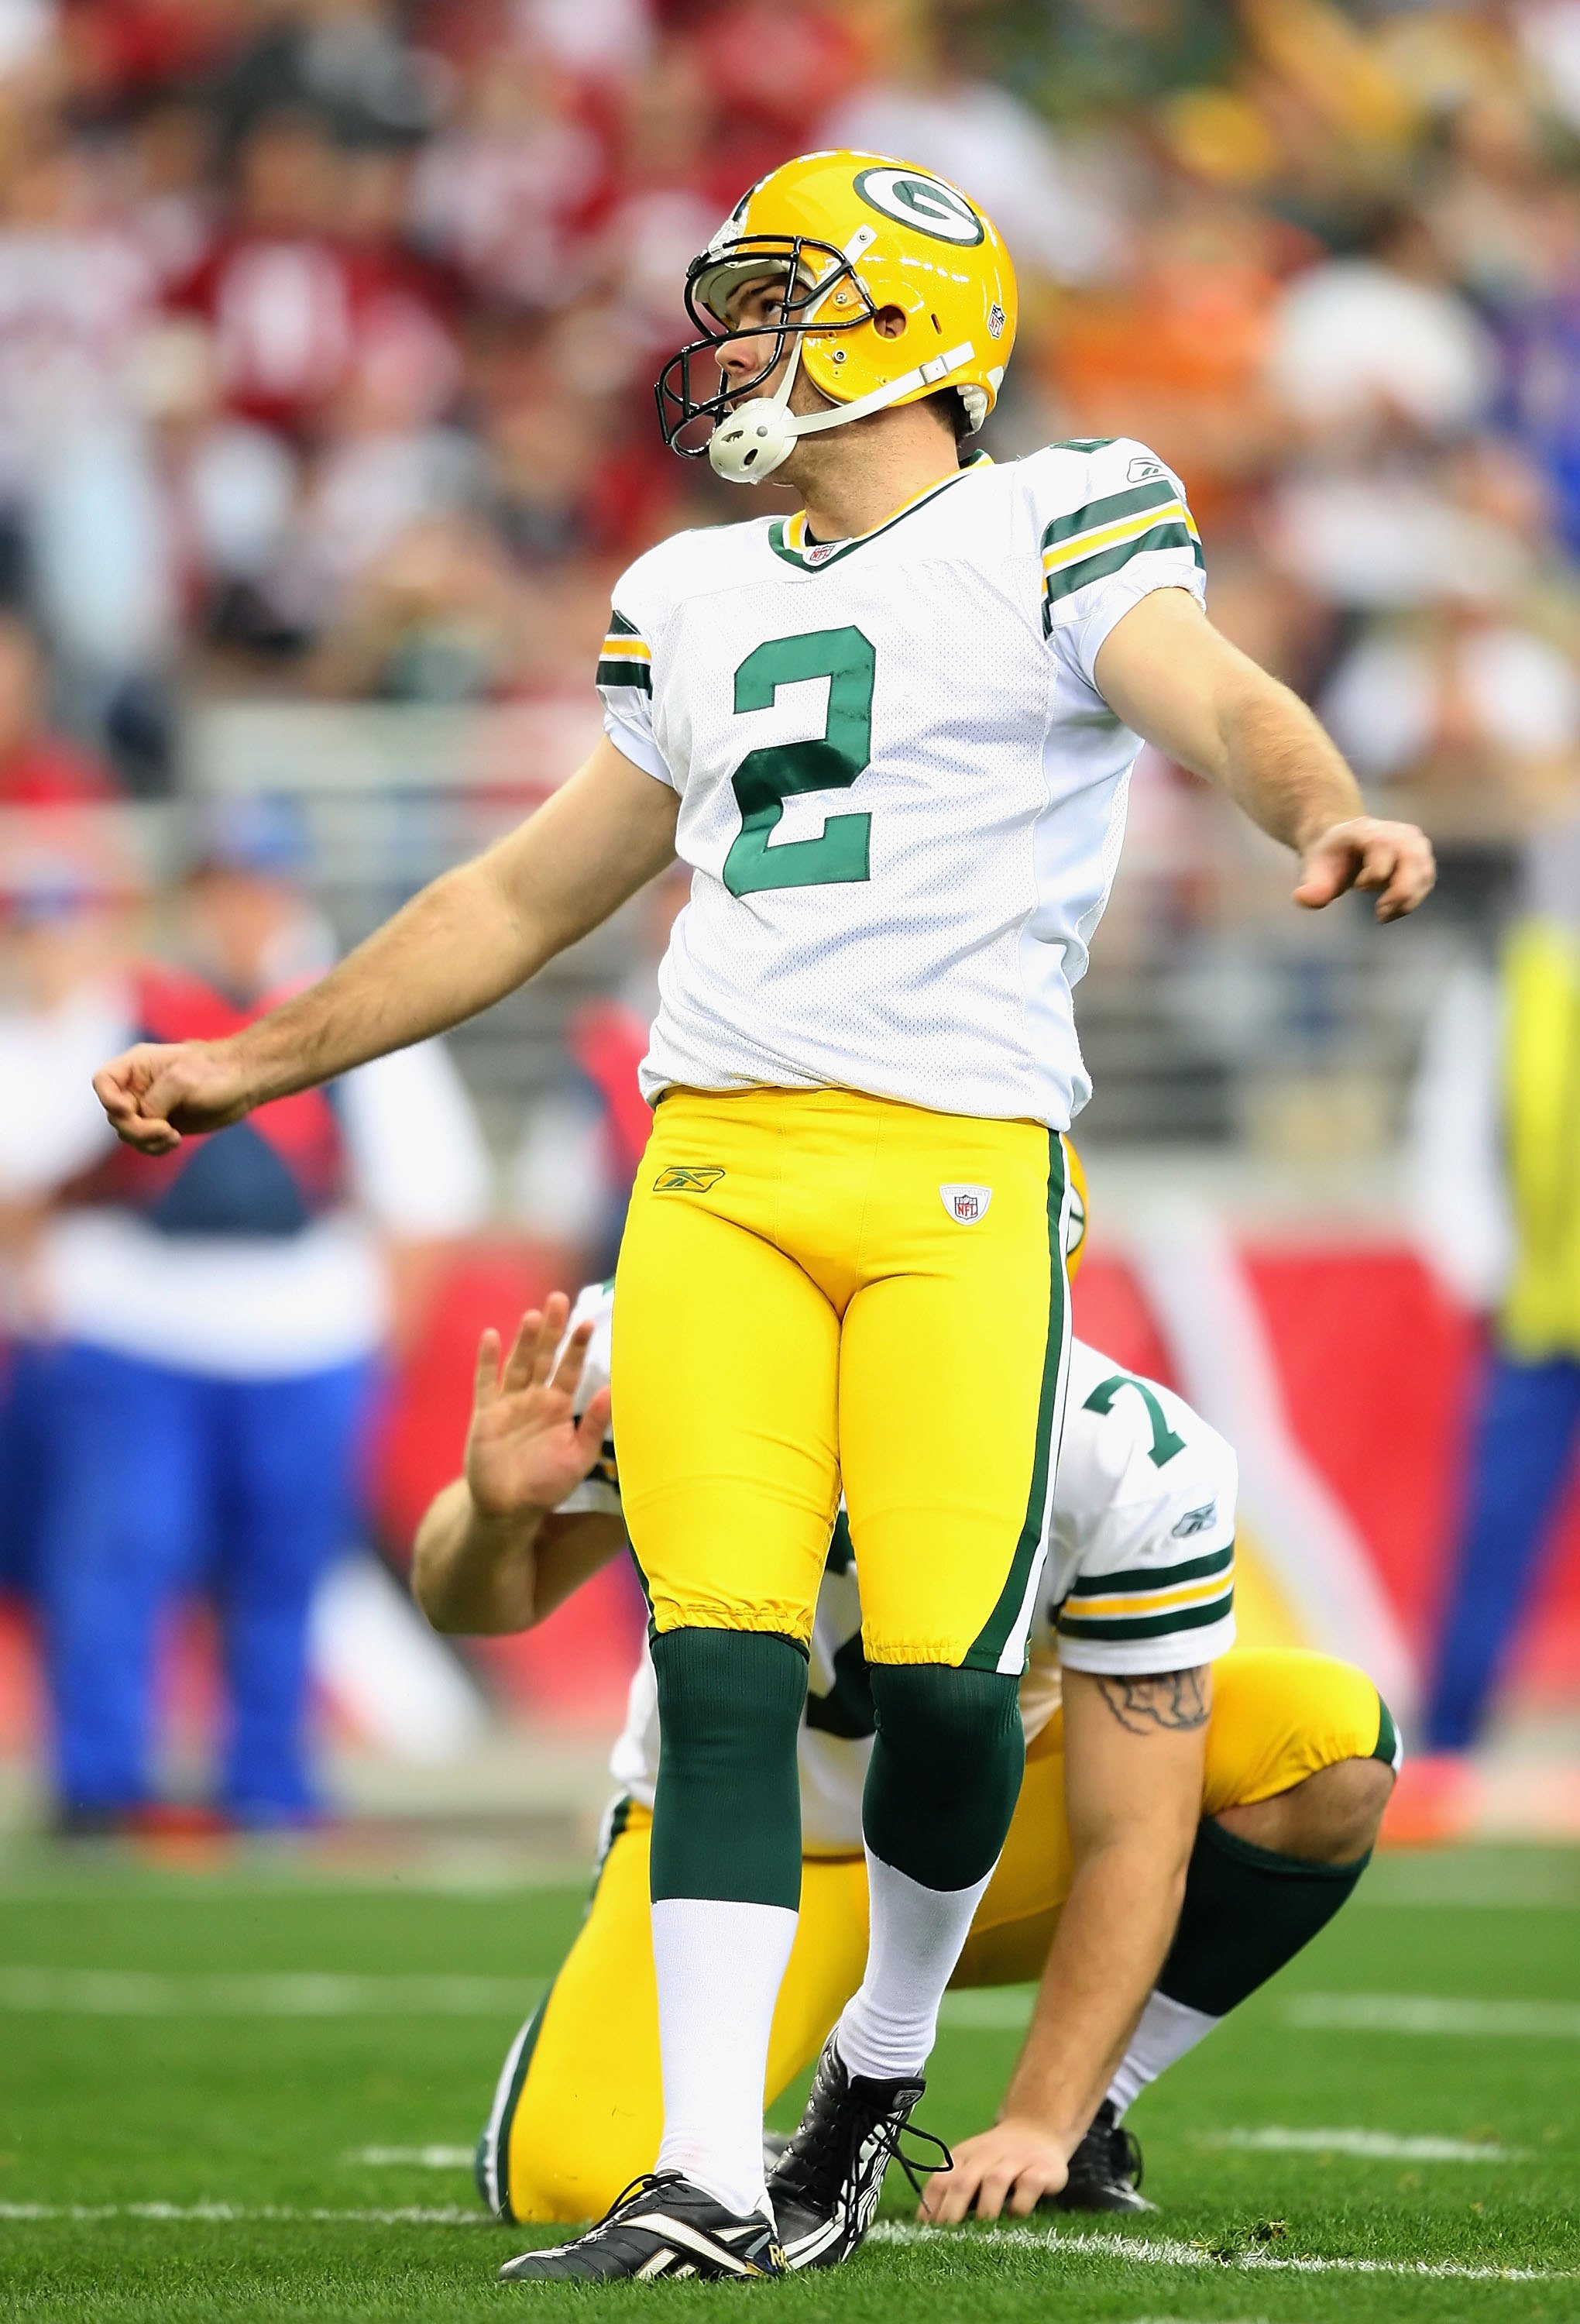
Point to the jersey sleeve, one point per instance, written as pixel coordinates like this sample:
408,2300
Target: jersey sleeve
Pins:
625,682
598,1494
1111,533
1145,1508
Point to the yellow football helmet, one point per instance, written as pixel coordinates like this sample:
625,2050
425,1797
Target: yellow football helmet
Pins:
1075,1246
853,236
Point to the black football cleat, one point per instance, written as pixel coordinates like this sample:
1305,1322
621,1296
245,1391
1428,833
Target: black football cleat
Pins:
1105,2170
660,2226
826,2189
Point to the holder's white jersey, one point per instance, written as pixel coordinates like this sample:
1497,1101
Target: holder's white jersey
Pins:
1140,1577
901,793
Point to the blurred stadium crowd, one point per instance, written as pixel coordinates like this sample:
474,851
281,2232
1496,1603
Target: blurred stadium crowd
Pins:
327,336
327,330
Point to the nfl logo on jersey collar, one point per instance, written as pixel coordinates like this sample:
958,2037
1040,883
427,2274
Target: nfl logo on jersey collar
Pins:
965,1205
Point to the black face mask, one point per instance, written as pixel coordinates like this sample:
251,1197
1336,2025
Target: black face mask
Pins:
678,407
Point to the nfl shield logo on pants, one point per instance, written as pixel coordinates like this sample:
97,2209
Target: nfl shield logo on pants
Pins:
965,1205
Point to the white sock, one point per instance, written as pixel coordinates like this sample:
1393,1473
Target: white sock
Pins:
1164,2032
720,1967
888,2028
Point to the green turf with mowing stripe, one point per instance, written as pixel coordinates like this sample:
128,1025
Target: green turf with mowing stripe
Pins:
258,2113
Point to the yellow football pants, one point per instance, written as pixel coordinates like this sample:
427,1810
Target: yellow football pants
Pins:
579,2108
818,1288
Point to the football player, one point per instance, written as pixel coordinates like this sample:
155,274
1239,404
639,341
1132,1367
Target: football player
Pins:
891,737
1186,1823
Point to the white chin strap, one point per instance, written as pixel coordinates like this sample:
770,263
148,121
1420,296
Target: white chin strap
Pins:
751,442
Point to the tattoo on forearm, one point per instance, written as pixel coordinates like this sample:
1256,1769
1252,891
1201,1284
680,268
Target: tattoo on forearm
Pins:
1172,1701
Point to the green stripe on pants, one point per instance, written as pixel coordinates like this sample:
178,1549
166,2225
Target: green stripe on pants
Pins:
988,1650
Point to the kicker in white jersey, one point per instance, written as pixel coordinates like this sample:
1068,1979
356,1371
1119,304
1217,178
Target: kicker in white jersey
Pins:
834,717
1139,1577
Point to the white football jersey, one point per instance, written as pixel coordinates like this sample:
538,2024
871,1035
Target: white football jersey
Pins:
901,794
1140,1578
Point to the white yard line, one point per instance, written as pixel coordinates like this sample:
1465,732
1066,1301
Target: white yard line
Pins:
1150,2250
415,2158
1420,2013
1375,2145
1143,2251
406,2215
145,1993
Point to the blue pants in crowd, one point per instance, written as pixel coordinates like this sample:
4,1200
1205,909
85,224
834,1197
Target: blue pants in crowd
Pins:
24,1400
161,1483
1523,1444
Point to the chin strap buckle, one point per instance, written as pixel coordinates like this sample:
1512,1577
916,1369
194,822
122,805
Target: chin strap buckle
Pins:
939,367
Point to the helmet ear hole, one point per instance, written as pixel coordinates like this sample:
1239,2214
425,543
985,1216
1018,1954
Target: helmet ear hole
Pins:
890,322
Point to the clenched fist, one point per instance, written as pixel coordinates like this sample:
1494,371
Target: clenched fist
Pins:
159,1092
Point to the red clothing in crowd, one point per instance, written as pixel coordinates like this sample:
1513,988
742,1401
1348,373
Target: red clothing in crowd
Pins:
120,48
48,770
291,312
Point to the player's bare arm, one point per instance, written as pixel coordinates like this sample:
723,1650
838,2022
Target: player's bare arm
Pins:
1134,1755
1175,680
491,1554
469,938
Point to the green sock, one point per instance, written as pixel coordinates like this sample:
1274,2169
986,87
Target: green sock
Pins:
727,1819
1246,1912
940,1789
945,1771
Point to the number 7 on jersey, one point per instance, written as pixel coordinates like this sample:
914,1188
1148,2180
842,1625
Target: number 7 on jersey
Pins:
765,777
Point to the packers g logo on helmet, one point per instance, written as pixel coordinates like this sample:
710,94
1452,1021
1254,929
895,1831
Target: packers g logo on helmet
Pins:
928,204
850,236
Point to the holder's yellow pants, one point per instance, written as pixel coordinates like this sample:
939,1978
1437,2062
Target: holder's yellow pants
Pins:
579,2108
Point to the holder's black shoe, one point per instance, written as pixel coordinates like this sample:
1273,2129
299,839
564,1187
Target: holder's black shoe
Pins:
660,2226
826,2189
1105,2171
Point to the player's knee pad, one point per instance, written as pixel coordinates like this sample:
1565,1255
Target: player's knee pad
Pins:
727,1820
946,1770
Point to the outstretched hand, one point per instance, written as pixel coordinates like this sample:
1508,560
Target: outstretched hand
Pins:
1394,859
524,1448
1009,2168
161,1091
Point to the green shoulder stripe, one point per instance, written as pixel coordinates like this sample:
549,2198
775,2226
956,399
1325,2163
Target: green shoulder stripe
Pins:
634,673
1071,577
1142,1577
619,627
1148,1625
1158,493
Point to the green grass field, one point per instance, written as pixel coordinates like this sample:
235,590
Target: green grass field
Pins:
177,2139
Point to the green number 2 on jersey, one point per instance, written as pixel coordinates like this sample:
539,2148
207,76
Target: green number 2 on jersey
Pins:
767,776
1165,1443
